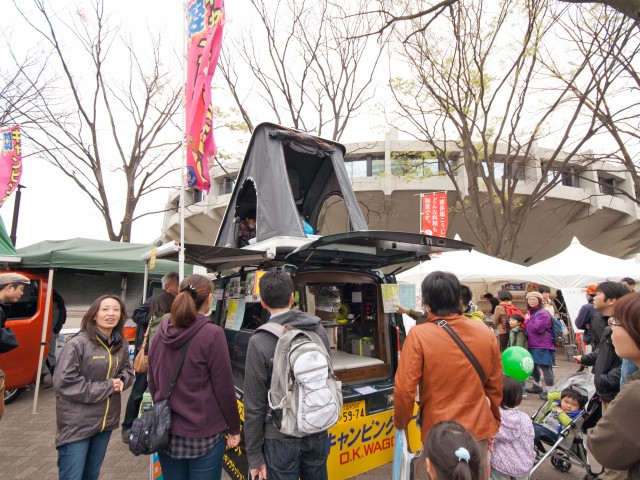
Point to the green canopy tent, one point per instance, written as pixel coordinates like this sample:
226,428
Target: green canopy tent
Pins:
8,252
86,254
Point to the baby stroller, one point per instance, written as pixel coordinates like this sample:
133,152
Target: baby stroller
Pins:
569,449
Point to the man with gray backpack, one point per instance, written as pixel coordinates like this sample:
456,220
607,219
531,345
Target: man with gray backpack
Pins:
291,396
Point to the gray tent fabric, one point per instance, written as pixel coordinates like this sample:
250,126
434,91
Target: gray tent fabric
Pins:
286,173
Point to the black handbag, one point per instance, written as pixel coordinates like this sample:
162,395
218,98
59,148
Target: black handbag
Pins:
150,432
8,340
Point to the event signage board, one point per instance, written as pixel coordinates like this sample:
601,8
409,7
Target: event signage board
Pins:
434,217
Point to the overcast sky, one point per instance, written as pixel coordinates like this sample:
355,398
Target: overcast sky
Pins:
52,206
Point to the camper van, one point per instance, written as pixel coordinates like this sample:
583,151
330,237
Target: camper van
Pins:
291,183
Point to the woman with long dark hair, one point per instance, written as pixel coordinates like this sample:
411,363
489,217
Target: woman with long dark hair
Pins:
203,402
93,369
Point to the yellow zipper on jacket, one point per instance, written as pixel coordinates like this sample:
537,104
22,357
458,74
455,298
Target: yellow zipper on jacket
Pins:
106,412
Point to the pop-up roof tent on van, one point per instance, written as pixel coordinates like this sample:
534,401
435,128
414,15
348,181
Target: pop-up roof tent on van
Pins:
286,174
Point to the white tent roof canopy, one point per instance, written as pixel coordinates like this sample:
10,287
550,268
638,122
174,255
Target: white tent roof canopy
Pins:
470,266
577,266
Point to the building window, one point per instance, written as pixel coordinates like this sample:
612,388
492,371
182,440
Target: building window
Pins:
567,178
416,165
515,169
607,185
225,185
498,169
198,195
369,166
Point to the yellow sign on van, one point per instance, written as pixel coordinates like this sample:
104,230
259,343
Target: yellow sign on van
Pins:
359,443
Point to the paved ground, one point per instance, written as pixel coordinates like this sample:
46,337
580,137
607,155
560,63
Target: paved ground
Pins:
27,443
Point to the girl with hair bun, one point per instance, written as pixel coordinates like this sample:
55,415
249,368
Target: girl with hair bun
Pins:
452,453
203,403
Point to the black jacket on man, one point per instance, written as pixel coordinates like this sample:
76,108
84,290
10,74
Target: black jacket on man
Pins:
141,318
583,320
598,324
606,367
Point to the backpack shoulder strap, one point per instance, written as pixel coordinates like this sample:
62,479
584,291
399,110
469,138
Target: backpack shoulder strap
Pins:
273,328
316,339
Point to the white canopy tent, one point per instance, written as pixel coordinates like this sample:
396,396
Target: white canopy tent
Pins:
477,270
469,267
577,266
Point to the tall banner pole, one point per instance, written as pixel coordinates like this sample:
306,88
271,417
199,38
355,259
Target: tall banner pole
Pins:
183,166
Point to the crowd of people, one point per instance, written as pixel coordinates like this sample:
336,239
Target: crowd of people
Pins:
507,439
470,423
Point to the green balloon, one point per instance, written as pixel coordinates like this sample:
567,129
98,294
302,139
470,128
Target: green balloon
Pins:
517,363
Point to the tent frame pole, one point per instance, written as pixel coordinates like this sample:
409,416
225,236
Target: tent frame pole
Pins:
43,339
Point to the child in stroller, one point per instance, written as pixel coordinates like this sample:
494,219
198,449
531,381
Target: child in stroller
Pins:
566,444
563,408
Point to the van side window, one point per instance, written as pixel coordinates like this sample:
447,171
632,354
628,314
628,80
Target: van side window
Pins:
28,304
254,316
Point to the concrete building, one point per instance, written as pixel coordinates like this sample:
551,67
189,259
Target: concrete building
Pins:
589,206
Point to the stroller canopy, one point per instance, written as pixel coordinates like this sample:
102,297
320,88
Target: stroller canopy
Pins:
287,174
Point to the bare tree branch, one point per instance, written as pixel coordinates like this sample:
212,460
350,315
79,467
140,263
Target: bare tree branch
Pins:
469,94
630,8
306,62
102,129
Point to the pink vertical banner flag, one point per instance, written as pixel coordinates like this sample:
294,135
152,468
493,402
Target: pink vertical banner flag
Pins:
434,214
10,162
205,21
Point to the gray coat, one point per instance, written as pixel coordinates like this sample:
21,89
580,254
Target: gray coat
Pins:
85,401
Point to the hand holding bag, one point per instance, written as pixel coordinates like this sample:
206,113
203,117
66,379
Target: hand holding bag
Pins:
403,458
141,362
150,432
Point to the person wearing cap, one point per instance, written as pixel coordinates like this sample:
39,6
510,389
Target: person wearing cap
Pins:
583,320
11,289
540,336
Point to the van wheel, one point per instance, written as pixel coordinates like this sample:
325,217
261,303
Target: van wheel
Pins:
11,395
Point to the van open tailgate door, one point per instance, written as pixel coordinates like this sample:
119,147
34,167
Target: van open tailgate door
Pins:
372,249
216,259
